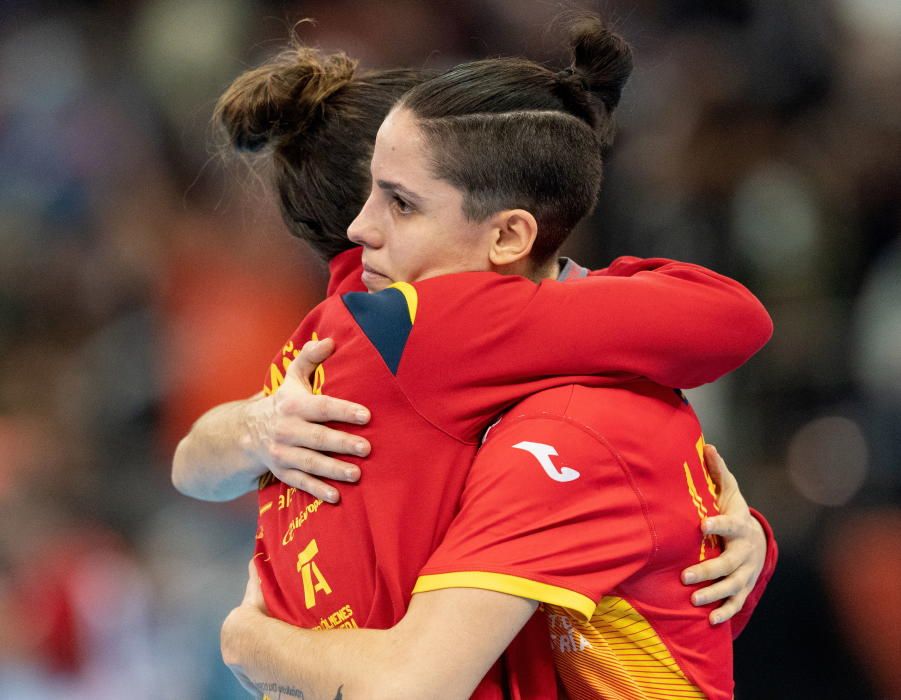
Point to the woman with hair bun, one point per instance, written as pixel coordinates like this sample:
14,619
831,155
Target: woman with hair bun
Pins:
450,194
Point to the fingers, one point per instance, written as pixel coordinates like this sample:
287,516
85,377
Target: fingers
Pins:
716,465
728,526
290,432
253,583
711,569
728,610
299,403
725,588
300,459
323,409
311,354
308,484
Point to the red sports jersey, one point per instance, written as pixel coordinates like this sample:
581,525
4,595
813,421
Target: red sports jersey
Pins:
436,361
590,501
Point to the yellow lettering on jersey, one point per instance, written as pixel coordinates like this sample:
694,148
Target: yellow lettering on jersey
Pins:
343,618
308,572
284,499
711,487
275,377
615,654
696,497
300,519
319,374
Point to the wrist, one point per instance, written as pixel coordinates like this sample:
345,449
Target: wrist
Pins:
254,421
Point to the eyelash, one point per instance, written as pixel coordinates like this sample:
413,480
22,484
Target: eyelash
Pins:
401,206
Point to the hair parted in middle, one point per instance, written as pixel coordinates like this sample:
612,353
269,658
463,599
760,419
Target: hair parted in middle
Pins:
510,133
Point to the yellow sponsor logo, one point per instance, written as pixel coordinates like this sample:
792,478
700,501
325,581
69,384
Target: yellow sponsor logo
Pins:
343,618
313,580
300,519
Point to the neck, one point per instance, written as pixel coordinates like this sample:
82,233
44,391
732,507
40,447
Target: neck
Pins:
549,271
526,268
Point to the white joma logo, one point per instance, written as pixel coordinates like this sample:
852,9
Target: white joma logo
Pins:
543,454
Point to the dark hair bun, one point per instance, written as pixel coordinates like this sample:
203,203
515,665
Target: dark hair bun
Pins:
601,59
281,99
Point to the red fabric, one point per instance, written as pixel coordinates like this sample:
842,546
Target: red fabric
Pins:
626,526
345,271
485,341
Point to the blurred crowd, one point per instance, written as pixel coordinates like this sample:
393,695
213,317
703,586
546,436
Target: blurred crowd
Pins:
144,278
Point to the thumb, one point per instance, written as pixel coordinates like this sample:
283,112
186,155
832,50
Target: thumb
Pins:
726,484
715,465
311,354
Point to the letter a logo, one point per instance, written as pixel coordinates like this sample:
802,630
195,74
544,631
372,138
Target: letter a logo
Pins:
543,454
308,571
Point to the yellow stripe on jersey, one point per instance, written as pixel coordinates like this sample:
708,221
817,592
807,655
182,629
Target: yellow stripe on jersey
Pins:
409,292
513,585
616,654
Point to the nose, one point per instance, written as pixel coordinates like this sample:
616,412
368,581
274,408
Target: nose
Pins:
363,230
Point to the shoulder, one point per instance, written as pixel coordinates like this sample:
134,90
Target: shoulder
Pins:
386,318
603,409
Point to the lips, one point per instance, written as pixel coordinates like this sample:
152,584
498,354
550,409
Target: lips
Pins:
372,271
373,279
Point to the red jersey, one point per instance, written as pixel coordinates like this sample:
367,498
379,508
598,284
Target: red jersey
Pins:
590,501
436,361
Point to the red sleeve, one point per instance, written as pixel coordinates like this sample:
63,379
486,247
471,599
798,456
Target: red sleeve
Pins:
740,620
495,339
528,524
714,308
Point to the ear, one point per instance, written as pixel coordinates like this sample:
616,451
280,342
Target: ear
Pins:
514,235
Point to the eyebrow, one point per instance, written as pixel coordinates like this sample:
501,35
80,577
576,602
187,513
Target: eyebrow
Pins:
400,189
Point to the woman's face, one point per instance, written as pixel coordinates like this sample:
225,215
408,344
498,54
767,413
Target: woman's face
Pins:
412,227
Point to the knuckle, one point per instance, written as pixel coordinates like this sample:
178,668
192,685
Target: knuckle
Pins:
280,431
275,453
328,468
727,611
318,436
302,482
323,407
289,406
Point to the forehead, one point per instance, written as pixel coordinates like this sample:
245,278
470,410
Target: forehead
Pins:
399,142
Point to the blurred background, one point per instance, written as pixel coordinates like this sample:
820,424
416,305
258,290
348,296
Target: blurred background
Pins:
144,280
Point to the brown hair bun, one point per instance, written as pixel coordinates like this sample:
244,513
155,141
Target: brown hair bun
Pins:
281,99
601,59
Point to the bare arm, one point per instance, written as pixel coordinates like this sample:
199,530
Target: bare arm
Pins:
232,445
416,658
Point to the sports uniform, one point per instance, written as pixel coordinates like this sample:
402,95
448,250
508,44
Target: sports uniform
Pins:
588,500
436,361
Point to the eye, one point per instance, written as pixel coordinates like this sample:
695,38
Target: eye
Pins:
401,205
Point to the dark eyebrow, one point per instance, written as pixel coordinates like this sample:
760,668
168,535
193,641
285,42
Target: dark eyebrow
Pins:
400,189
